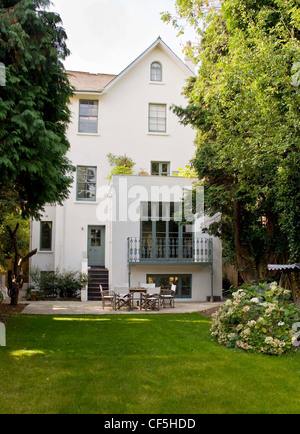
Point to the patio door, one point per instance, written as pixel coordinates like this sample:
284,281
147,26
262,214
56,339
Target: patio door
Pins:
183,283
96,246
162,237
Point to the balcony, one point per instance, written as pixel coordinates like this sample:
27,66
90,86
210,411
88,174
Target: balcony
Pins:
172,251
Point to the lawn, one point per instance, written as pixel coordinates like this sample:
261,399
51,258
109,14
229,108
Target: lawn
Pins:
144,364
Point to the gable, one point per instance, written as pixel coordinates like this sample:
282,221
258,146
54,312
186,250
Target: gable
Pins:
85,82
158,44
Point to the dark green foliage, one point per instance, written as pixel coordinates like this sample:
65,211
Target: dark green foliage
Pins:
34,110
64,283
245,105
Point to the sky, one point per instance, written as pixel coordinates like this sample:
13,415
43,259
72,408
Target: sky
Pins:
105,36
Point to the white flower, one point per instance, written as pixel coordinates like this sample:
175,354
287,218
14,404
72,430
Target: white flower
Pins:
245,333
281,323
238,294
251,323
254,300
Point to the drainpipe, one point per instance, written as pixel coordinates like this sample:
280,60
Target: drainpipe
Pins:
129,275
212,272
128,261
212,283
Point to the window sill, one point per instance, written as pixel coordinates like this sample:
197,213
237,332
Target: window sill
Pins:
45,251
160,83
86,202
88,134
157,134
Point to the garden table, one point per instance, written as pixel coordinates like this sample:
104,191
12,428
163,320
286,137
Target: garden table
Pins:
139,291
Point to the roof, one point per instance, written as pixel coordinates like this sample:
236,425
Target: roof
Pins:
85,81
283,267
89,82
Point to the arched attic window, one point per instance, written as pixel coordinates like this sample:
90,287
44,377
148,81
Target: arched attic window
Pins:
156,72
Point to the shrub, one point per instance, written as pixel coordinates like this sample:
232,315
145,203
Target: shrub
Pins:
257,319
65,284
68,283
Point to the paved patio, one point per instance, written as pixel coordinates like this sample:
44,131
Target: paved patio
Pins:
61,307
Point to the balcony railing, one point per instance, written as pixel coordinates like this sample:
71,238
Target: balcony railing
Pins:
170,250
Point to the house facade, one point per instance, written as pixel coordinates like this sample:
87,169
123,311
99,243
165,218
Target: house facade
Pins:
127,229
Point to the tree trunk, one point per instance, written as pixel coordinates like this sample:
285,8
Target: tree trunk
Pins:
17,274
13,292
244,261
272,257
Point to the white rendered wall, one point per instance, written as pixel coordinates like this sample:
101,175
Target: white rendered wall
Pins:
121,230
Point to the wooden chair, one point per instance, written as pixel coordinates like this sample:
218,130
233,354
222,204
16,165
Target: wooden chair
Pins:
107,297
123,298
151,300
168,296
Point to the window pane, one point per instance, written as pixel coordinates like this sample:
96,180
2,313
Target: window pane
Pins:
185,291
173,229
161,229
165,169
164,282
86,182
146,229
157,118
91,174
90,191
88,116
156,72
95,238
88,125
46,236
88,108
155,169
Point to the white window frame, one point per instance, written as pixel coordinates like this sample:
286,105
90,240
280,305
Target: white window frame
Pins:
87,116
156,72
86,199
157,118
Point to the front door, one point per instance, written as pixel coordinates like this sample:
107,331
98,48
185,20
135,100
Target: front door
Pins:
96,246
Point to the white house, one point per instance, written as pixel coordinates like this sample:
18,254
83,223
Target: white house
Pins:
124,229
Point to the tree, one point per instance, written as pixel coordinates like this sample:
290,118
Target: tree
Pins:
22,236
19,259
34,110
245,106
34,114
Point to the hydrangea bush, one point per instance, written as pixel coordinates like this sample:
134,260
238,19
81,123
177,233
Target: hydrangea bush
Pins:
257,319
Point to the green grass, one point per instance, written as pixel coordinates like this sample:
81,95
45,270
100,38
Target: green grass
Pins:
144,364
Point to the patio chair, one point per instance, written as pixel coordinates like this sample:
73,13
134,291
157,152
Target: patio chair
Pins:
122,298
107,296
168,296
150,300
